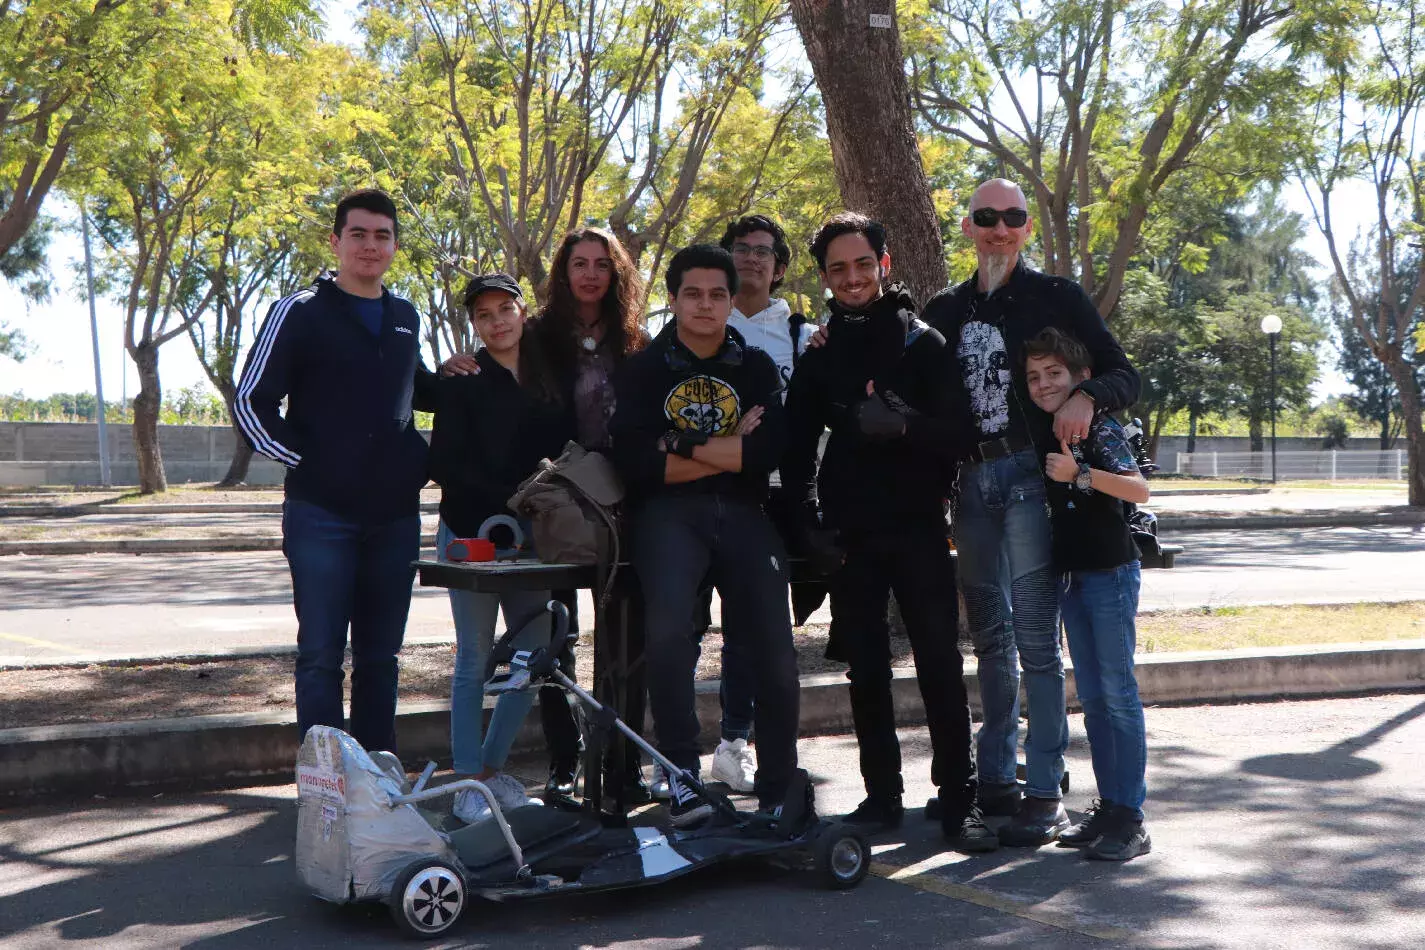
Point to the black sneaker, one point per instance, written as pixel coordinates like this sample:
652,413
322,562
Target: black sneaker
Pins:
685,808
970,833
877,814
1038,822
1124,839
999,801
1085,832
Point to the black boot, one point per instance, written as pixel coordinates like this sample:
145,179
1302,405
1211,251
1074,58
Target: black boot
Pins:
1038,822
566,748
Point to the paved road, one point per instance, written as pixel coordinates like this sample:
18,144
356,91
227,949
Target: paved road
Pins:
1309,840
113,605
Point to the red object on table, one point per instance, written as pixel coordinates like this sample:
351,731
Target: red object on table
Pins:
470,549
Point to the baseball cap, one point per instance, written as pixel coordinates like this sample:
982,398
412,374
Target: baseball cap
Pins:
482,283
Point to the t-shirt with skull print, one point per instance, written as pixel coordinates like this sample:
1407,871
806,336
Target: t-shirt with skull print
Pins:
985,369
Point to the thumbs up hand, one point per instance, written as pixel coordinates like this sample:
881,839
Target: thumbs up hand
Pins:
1060,466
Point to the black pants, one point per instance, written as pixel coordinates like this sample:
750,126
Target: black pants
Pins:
677,540
561,729
916,564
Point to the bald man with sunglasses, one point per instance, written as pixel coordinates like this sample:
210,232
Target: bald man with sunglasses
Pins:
1001,519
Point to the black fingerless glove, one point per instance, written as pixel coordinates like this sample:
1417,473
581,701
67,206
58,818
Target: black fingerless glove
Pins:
877,420
683,441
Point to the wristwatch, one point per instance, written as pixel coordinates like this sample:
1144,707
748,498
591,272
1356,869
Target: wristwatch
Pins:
1084,480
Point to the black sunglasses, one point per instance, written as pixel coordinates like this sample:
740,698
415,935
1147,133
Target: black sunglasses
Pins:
989,217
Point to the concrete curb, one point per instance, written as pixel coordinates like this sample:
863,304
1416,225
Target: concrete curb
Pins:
1328,519
209,751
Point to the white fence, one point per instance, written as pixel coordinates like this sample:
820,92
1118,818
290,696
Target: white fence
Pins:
1327,466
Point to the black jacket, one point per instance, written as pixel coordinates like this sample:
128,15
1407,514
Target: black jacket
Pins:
490,434
348,436
865,485
666,386
1025,305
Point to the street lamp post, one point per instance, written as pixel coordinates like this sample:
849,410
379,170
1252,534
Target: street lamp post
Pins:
1272,327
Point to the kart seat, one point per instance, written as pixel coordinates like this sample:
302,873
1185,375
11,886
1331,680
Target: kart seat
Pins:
481,845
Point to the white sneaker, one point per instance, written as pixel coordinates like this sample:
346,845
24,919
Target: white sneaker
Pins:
471,806
736,764
659,788
509,791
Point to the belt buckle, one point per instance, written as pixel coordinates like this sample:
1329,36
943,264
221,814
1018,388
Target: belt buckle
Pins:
985,448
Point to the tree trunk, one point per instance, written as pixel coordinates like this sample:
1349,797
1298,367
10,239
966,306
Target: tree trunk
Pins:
1192,431
146,406
860,71
242,452
1404,375
1385,438
1254,432
237,468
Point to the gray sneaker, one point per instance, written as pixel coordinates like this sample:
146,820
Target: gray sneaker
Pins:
1124,839
1095,822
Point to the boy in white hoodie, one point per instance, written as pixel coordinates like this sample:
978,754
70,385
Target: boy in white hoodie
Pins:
759,248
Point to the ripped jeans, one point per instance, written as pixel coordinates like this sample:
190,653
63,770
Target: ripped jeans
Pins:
1001,530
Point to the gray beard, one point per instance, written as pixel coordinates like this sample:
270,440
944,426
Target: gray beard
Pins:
995,270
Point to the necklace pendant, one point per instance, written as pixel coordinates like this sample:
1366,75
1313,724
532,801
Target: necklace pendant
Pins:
589,343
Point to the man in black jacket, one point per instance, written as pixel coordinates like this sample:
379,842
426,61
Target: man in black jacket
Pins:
1001,521
882,384
697,429
345,354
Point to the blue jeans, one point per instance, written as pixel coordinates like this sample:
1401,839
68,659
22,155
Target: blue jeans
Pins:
474,615
738,682
346,574
1001,530
1099,609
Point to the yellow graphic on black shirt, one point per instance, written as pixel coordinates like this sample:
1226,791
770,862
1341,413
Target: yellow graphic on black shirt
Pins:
704,403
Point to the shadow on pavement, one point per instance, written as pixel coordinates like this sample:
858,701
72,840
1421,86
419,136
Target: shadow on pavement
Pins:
1341,762
216,872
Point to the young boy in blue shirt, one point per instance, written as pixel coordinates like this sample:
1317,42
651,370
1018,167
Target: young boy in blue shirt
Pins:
1088,483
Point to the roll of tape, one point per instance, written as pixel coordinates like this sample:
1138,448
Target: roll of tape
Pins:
503,521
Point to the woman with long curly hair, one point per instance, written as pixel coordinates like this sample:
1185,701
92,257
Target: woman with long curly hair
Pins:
592,319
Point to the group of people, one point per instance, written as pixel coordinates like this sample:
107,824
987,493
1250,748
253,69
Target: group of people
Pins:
985,417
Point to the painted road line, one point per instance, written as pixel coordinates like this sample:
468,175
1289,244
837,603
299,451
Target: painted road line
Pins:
32,641
917,877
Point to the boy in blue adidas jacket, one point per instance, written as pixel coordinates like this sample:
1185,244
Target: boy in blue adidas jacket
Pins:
345,354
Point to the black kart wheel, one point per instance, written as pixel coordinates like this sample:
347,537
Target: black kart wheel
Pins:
427,898
842,858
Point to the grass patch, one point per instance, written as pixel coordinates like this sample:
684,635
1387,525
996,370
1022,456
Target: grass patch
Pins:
1229,628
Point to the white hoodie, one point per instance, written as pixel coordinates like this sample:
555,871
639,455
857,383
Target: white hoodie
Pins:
770,331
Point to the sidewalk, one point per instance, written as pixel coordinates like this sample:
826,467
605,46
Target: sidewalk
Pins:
1291,825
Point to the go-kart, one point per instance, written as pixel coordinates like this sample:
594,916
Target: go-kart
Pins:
361,834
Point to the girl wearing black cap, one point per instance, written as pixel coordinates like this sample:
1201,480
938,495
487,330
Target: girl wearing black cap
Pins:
492,429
